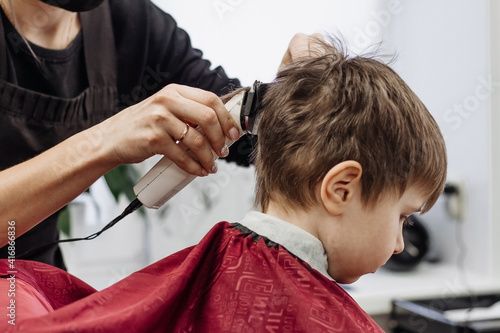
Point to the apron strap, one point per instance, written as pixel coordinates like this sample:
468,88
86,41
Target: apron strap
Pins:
3,50
99,46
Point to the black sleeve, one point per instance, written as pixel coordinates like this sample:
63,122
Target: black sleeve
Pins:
152,52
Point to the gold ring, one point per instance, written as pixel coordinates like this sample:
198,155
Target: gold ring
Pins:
183,135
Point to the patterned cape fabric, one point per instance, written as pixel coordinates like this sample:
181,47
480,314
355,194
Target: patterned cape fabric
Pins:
232,281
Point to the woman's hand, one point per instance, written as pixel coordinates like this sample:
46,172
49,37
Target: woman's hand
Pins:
300,46
154,125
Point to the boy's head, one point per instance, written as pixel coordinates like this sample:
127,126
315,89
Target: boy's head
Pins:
332,108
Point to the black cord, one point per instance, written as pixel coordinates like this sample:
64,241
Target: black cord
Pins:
133,206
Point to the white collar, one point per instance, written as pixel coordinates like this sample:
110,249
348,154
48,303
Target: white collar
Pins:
296,240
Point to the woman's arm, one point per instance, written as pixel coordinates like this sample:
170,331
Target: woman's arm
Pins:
33,190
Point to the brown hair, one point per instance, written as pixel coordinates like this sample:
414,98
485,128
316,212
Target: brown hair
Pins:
330,108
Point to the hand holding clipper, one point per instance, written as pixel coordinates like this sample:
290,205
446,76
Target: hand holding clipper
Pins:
166,179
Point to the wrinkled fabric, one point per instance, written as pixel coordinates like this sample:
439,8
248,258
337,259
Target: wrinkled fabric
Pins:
232,281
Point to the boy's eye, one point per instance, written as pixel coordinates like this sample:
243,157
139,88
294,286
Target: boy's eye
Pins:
407,222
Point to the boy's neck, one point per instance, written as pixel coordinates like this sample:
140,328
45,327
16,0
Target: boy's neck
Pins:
306,220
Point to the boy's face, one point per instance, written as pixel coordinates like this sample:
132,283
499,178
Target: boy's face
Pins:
363,239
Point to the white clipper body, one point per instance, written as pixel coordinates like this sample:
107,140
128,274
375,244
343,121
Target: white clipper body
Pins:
166,179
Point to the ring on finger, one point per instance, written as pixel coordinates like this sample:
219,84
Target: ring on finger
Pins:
183,135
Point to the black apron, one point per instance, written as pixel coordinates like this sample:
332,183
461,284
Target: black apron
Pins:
31,122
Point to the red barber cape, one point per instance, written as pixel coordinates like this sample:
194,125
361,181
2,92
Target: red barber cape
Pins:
232,281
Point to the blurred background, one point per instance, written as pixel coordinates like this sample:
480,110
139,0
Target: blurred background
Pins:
446,51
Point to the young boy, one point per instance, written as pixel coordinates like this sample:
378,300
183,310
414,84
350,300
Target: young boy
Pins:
346,152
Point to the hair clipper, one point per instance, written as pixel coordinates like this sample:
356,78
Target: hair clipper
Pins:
165,179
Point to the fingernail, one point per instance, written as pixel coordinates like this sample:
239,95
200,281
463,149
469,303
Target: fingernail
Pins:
204,173
234,134
214,168
224,151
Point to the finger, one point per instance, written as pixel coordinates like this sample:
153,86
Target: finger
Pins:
185,160
183,134
203,116
207,111
174,145
314,45
297,43
164,133
226,121
199,148
301,46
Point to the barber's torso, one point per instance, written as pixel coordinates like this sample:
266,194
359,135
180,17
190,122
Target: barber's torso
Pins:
114,62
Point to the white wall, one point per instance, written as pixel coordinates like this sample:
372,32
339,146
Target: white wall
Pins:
495,134
249,37
444,56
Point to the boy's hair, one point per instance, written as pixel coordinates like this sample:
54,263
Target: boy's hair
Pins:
331,108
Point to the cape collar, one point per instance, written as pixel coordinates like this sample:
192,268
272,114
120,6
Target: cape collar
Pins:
296,240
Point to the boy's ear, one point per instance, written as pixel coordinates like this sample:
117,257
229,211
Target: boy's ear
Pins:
339,185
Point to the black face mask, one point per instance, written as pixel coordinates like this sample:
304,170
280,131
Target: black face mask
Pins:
75,5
